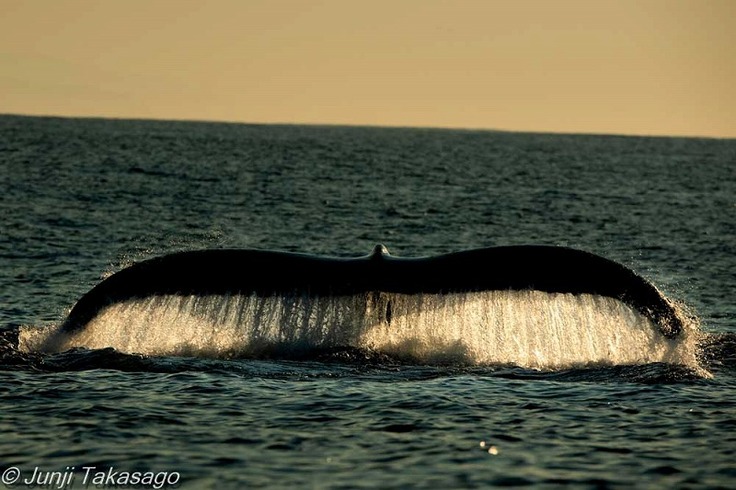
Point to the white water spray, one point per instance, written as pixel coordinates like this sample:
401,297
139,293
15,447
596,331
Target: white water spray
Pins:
530,329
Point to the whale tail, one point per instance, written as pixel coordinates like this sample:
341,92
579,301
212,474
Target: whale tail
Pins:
533,306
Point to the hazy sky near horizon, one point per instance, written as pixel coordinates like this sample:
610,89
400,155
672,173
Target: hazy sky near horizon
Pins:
663,67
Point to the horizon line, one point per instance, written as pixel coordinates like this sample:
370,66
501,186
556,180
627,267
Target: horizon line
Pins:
361,125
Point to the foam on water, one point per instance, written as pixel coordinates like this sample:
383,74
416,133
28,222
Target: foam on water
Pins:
529,329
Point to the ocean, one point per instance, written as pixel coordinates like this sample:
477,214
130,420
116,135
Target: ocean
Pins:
84,198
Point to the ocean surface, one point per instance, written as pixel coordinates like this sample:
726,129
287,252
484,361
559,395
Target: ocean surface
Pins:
83,198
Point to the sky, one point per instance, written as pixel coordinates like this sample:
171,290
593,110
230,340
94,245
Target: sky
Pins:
651,67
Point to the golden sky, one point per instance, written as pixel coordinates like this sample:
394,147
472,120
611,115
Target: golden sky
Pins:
664,67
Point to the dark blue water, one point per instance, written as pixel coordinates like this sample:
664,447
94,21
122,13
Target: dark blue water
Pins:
83,198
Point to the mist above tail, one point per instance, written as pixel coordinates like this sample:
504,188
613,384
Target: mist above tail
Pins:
531,306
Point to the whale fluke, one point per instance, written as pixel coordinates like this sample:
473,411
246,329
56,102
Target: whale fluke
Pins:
272,273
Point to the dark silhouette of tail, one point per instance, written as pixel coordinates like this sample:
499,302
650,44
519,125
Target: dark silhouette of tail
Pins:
265,273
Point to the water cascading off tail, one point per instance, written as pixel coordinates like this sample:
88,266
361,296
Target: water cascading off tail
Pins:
535,307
